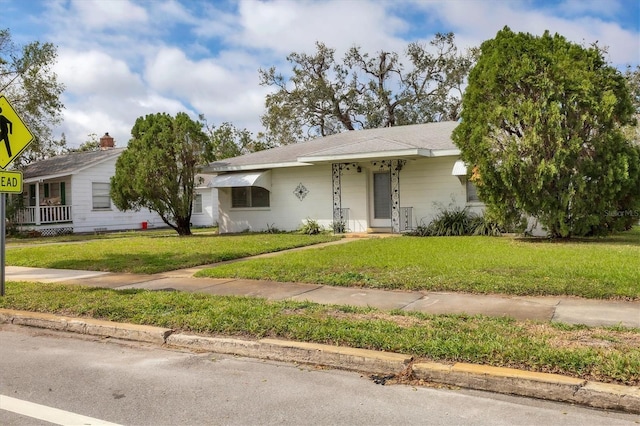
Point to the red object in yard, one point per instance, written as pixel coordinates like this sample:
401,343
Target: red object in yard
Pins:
144,225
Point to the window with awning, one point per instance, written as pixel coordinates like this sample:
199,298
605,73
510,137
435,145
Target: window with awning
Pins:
248,189
260,179
249,196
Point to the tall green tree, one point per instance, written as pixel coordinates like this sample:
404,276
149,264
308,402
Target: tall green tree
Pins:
543,125
633,82
226,141
91,144
158,169
324,96
29,83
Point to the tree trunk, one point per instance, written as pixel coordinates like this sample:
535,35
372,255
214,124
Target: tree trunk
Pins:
183,227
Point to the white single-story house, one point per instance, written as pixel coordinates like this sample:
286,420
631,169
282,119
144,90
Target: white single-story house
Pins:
377,180
70,194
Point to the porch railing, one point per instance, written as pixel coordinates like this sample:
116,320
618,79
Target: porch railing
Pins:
46,214
406,218
343,224
344,215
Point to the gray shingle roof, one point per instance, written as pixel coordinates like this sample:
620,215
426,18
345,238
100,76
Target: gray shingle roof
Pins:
68,164
417,137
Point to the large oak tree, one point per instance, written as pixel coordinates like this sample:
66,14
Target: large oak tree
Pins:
325,96
543,126
158,169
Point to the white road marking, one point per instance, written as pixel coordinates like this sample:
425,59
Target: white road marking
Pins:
48,414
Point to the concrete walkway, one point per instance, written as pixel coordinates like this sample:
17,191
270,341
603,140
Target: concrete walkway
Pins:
570,310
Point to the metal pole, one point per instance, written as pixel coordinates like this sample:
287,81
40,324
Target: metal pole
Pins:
3,231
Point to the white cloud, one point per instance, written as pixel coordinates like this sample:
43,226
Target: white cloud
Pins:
99,15
597,7
100,114
89,73
285,26
474,22
223,89
121,59
172,11
79,124
171,71
103,95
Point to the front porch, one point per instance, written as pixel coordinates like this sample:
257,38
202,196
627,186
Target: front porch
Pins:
43,215
381,190
344,225
45,207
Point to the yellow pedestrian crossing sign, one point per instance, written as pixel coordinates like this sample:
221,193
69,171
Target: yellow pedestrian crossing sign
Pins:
14,135
11,182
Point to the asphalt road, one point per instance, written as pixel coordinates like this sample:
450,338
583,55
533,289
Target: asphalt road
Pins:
135,384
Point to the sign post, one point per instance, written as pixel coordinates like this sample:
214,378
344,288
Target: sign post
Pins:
3,231
14,139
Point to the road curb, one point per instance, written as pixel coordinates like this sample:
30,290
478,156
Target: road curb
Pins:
94,327
471,376
548,386
306,353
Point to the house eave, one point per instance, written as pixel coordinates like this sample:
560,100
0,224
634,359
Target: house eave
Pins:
445,152
244,167
402,154
405,153
43,178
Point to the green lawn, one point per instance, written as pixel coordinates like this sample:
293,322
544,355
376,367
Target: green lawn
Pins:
593,268
609,354
154,252
20,240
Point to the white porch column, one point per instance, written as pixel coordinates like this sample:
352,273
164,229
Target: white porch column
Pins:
336,174
37,212
395,166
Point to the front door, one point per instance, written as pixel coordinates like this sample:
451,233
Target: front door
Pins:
381,209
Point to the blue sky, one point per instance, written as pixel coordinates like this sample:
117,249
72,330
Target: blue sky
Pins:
122,59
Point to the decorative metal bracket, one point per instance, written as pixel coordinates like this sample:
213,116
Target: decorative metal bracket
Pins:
301,191
389,164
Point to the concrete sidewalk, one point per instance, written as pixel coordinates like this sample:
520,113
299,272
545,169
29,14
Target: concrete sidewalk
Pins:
495,379
569,310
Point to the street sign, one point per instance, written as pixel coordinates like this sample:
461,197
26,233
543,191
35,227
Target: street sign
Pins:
14,138
14,135
10,182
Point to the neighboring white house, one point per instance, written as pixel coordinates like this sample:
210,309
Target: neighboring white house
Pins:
205,203
70,194
377,180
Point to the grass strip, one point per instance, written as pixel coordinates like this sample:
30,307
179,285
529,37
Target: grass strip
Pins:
607,354
154,253
22,240
592,268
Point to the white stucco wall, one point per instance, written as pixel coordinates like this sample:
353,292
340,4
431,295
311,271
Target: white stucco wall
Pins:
286,212
426,185
209,215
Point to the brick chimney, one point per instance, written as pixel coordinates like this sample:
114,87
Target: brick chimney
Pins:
107,142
